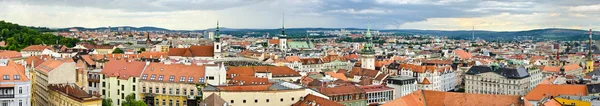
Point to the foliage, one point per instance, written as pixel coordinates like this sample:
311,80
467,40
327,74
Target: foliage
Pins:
129,43
106,102
142,50
130,101
18,37
118,51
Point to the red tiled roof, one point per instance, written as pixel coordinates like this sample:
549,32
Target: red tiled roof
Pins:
51,64
277,71
374,88
248,80
245,88
177,70
73,92
38,48
193,51
273,41
544,90
340,90
11,69
357,71
312,100
123,69
10,54
463,54
88,59
439,98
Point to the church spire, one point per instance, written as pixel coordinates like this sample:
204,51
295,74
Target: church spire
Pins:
283,26
367,49
217,35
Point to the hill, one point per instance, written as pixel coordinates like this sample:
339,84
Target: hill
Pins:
18,37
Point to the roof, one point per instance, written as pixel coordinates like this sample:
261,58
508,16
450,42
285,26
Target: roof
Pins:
375,88
575,102
123,69
37,48
339,76
72,91
10,54
312,100
213,100
340,90
425,81
515,73
10,68
544,90
277,71
36,60
273,41
463,54
88,59
357,71
439,98
179,73
292,58
248,80
50,65
193,51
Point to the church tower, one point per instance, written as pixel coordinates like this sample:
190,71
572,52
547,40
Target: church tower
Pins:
283,37
589,64
217,44
367,54
148,41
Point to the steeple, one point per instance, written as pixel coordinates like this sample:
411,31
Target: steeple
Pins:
217,35
148,41
590,60
590,47
283,26
368,47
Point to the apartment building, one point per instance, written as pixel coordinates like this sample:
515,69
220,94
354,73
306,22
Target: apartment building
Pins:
14,85
120,78
51,71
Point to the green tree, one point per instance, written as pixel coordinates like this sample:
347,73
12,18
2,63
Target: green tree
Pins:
118,51
142,50
130,101
106,102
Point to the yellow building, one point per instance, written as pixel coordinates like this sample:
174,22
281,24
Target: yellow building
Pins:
120,78
171,84
71,95
566,102
275,94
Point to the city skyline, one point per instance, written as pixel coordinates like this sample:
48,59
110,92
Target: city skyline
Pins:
385,14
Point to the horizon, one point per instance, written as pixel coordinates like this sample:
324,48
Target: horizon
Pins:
447,15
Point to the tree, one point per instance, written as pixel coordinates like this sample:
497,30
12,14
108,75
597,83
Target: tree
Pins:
106,102
142,50
118,51
130,101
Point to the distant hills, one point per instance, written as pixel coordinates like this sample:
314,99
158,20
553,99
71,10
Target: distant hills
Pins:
536,34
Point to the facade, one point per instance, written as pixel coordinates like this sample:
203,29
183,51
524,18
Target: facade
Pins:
402,85
71,95
347,95
378,94
34,50
120,78
281,73
171,84
14,85
438,78
570,69
497,80
51,72
277,94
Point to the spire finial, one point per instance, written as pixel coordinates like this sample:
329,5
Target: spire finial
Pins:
283,24
217,36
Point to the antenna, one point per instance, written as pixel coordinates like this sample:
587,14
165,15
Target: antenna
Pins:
473,33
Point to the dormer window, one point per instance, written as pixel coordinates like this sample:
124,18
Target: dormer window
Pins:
172,78
160,77
145,76
17,77
6,77
153,77
190,79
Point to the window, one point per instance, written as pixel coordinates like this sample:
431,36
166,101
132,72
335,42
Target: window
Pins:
244,101
122,96
20,102
103,92
181,79
200,80
177,91
133,89
133,79
156,102
184,91
144,76
292,99
6,77
20,90
118,82
172,78
164,90
17,77
164,102
160,77
170,101
156,90
281,99
122,87
255,100
231,101
152,77
143,89
103,84
190,79
170,90
267,100
150,90
210,77
118,102
177,103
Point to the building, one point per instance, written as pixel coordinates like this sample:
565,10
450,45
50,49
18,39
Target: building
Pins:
35,50
120,78
276,94
431,77
14,85
570,69
312,100
51,71
402,85
213,100
171,84
349,95
497,80
550,90
71,95
378,94
282,73
439,98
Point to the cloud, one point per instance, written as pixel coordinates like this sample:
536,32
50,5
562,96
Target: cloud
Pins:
586,8
364,11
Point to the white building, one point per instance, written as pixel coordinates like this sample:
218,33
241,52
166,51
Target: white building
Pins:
14,85
438,78
402,85
498,80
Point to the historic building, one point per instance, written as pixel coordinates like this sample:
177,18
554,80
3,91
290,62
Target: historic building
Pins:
120,78
15,85
498,80
171,84
51,71
431,77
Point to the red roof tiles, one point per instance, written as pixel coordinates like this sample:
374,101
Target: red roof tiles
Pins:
123,69
312,100
177,71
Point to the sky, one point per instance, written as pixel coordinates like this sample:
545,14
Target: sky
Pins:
501,15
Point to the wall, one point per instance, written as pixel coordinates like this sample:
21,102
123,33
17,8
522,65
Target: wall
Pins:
275,97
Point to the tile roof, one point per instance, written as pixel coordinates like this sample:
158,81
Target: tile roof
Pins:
544,90
73,91
351,57
36,60
339,76
244,88
312,100
306,61
273,41
88,59
374,88
193,51
37,48
463,54
178,71
248,80
123,69
357,71
439,98
10,54
213,100
50,65
425,81
10,68
340,90
292,58
277,71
